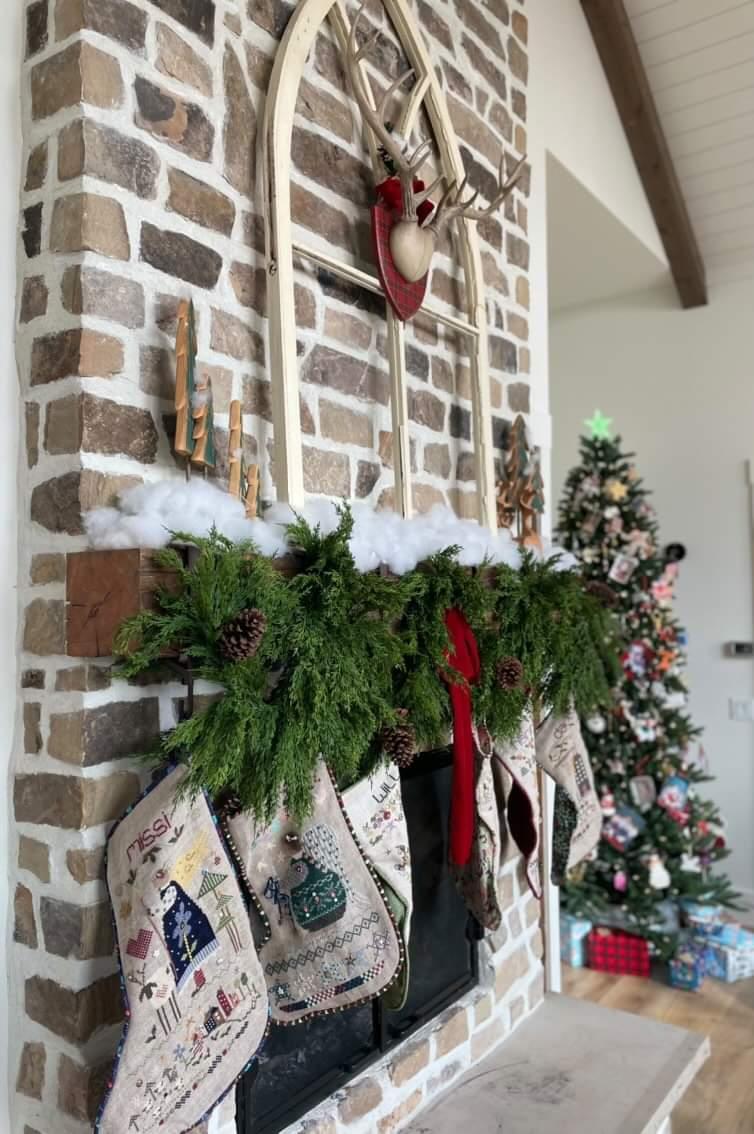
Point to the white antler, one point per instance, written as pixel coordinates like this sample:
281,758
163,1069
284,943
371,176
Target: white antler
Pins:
452,205
407,164
412,244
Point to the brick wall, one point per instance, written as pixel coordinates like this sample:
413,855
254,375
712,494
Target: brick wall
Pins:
140,124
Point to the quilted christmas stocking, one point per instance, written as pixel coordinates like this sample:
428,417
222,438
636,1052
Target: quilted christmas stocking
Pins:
517,758
561,751
197,1007
333,942
374,807
477,881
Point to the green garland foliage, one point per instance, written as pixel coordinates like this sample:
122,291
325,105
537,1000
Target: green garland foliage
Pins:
565,640
344,652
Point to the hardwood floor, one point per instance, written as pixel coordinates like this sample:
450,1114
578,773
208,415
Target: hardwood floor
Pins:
721,1098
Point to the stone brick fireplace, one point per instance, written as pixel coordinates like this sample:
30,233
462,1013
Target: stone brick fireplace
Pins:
139,188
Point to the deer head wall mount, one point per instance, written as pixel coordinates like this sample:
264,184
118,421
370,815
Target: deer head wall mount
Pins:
413,241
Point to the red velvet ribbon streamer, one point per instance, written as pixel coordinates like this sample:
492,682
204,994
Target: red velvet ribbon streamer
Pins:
464,659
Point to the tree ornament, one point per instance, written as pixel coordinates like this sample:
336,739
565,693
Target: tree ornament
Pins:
241,637
639,543
673,795
509,674
622,568
659,878
607,803
643,791
622,828
596,724
399,741
615,489
620,881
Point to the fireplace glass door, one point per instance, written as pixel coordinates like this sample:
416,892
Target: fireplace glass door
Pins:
300,1066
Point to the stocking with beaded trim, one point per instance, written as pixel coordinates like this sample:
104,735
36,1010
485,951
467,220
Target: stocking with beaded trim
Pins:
197,1007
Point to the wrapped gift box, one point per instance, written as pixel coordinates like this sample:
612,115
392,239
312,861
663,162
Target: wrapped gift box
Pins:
687,969
734,936
573,934
729,953
612,951
702,918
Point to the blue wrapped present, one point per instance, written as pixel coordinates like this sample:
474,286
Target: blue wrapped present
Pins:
686,970
729,953
702,918
573,934
734,936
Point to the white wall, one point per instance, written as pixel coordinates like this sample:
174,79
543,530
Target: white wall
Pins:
573,116
10,157
680,386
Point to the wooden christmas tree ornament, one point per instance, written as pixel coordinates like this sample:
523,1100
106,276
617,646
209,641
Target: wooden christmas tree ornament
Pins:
204,423
235,450
520,491
252,491
185,378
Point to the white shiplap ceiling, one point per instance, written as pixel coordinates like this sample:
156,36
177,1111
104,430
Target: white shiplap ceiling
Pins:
699,59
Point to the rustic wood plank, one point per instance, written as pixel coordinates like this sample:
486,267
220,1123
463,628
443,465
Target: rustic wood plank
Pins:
103,588
573,1067
616,46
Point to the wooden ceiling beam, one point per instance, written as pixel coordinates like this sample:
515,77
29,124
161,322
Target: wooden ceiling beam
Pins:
617,49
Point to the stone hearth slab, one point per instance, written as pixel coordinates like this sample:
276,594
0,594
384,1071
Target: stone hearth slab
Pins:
573,1067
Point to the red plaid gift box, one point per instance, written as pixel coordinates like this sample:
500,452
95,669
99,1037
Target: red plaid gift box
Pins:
613,951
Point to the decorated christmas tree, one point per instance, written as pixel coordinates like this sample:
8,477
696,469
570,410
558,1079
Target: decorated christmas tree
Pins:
661,840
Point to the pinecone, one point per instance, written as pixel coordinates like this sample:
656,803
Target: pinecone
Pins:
509,673
399,742
240,638
602,592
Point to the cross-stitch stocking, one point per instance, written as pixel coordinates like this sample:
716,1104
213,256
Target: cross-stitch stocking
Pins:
333,942
197,1007
577,821
517,757
477,881
374,806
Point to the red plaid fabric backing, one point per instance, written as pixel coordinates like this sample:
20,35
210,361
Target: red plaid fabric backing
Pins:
612,951
404,297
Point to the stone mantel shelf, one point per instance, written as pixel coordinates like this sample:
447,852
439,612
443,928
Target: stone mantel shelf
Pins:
574,1067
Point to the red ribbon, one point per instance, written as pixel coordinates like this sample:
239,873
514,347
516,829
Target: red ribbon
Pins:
391,193
464,659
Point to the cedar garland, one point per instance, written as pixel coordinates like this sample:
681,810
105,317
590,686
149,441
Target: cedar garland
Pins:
342,650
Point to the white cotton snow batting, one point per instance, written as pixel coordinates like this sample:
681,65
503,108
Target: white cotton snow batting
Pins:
149,513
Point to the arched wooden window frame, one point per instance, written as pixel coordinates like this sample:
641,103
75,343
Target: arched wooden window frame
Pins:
281,247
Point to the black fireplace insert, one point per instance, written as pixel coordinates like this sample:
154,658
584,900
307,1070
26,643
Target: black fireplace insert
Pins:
300,1066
